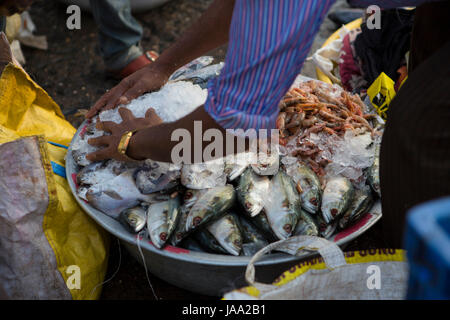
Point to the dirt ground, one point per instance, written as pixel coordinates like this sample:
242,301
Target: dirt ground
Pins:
72,72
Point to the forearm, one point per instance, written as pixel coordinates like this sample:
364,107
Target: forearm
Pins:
208,32
156,142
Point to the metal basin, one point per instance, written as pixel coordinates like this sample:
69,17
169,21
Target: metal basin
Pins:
204,273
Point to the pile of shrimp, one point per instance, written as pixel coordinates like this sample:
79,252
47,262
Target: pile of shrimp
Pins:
317,107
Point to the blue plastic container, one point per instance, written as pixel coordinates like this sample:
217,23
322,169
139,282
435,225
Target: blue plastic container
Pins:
427,241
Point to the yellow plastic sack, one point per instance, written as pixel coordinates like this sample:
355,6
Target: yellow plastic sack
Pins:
63,247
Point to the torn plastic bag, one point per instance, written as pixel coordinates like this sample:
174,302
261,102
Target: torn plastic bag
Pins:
50,248
374,274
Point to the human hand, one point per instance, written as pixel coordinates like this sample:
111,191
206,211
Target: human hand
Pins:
10,7
111,142
147,79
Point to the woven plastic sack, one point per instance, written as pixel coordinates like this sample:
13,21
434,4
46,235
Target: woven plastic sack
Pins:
377,274
49,248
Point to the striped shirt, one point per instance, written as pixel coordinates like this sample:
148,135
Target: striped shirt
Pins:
268,43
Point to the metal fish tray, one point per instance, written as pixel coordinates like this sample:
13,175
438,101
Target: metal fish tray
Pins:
204,273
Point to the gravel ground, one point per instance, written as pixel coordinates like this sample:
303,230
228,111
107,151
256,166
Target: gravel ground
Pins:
72,72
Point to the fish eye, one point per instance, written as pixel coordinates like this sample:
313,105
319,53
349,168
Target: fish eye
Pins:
197,220
287,228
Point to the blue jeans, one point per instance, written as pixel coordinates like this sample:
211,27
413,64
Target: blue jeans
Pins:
2,23
119,32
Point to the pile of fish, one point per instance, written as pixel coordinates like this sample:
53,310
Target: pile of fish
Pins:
238,205
238,215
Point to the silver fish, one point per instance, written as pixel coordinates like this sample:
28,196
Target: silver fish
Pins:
282,205
117,194
81,192
174,212
134,219
192,66
99,172
326,230
210,206
208,242
373,174
161,220
233,171
190,198
86,176
227,233
118,167
203,175
362,201
337,196
263,225
250,233
252,238
267,163
235,165
79,157
308,185
156,176
306,225
203,75
252,191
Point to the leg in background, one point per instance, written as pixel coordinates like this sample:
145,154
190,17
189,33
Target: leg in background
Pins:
119,32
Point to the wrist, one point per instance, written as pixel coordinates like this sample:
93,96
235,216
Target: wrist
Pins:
133,150
162,67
